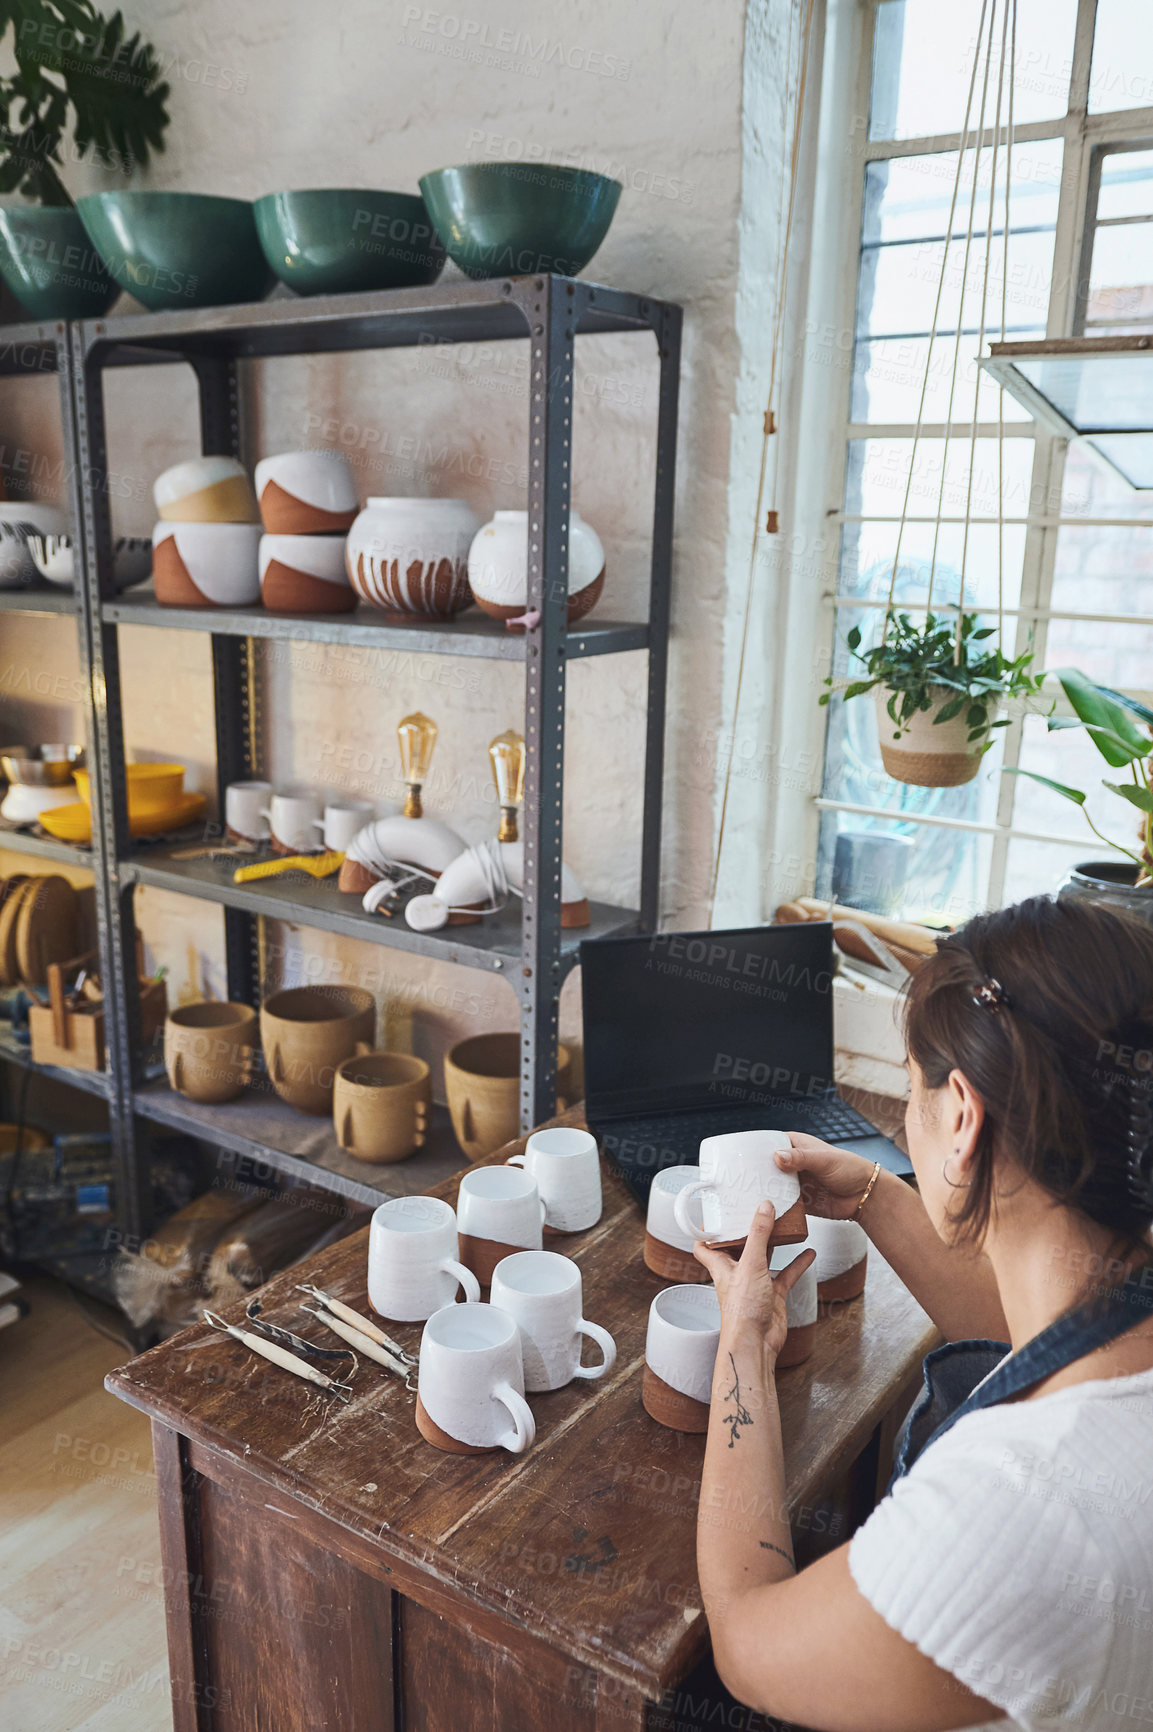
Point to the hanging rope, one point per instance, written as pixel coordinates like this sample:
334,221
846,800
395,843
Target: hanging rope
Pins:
769,427
933,326
981,324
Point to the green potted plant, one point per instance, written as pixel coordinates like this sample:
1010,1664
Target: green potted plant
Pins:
1121,729
938,694
74,69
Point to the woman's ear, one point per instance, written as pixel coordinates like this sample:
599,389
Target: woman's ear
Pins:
964,1115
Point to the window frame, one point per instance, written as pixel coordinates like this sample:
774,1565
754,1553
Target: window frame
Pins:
1086,139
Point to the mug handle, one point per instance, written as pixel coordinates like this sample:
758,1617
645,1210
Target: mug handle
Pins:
178,1073
681,1207
524,1425
606,1344
465,1277
266,812
277,1065
518,1161
361,1049
346,1141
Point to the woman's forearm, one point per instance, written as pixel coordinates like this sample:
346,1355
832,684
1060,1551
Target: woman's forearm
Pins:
956,1287
743,1536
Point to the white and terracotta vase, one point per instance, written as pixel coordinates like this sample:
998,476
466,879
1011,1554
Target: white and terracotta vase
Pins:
498,567
304,574
206,564
410,556
306,493
928,754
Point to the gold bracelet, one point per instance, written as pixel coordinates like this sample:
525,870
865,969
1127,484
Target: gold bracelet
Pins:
868,1191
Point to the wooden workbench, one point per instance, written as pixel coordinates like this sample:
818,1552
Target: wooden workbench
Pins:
327,1569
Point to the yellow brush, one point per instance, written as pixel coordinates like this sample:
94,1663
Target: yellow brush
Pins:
316,865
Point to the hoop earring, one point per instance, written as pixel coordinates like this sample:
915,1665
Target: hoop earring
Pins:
953,1184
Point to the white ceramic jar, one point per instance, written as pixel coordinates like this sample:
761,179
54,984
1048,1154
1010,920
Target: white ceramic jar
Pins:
498,566
410,556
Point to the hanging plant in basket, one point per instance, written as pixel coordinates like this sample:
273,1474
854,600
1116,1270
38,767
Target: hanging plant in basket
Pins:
939,689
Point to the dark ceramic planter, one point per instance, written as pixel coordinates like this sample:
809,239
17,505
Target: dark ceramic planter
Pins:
511,219
1112,882
340,242
178,249
51,266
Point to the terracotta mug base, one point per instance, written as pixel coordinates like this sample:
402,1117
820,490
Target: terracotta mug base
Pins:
483,1255
850,1284
669,1407
791,1228
672,1264
575,914
432,1433
286,849
232,835
799,1343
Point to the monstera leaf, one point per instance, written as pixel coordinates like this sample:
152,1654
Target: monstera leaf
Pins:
75,65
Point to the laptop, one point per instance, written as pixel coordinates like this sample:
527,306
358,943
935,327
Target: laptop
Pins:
691,1034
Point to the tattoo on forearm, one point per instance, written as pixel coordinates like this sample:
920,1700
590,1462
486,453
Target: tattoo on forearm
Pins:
740,1414
768,1546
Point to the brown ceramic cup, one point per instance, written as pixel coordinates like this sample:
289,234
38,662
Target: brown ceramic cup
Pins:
307,1032
380,1105
208,1050
482,1086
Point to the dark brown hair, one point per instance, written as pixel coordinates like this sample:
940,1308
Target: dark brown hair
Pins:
1047,1009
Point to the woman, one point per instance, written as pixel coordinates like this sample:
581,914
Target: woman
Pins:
1009,1573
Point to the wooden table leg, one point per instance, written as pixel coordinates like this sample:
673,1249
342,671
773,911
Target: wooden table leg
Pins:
176,1485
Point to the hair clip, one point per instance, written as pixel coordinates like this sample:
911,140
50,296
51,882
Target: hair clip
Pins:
992,996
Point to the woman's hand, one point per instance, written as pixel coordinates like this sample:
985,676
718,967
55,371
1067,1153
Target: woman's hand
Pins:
832,1181
750,1297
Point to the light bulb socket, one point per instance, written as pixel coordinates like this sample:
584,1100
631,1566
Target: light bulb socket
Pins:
508,831
412,803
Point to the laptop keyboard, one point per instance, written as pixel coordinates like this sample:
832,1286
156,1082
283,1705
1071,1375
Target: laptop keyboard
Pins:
832,1120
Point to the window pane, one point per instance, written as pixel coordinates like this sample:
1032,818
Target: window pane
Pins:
867,562
1090,489
877,471
1103,571
1126,184
1069,756
944,875
1115,655
923,61
888,373
908,197
1120,280
1122,70
1037,868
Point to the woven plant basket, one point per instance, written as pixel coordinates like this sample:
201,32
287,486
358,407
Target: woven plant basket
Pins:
927,755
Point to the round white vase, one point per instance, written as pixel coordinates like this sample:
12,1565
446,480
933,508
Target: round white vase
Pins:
498,566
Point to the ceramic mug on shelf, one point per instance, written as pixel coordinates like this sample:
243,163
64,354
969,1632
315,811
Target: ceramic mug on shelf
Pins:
499,1211
470,1387
208,1050
380,1105
567,1169
668,1248
482,1086
680,1353
292,820
343,819
307,1031
244,807
738,1171
412,1262
800,1309
542,1291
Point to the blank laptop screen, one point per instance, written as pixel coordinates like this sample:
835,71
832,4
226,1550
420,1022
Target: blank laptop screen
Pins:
680,1020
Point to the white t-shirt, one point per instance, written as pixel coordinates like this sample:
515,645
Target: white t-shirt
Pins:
1017,1554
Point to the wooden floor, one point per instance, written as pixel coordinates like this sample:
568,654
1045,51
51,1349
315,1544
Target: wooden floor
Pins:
82,1645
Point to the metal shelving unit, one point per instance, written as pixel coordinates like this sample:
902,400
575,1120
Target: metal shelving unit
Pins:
525,942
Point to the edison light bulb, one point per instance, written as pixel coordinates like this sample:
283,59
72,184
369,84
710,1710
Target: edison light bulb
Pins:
506,754
417,737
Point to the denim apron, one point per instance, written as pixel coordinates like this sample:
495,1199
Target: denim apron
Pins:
964,1376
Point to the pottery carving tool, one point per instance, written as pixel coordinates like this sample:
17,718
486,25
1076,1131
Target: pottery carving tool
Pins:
212,850
356,1319
278,1355
316,865
361,1342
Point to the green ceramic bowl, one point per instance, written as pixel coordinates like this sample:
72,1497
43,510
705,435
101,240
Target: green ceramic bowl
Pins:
51,266
178,249
509,219
337,241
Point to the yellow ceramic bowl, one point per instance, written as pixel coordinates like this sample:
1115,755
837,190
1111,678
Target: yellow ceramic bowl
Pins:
151,787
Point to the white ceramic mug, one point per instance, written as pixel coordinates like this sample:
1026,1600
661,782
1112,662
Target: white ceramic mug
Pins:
471,1378
681,1344
343,819
661,1220
412,1263
293,819
738,1171
502,1204
245,804
566,1166
542,1291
